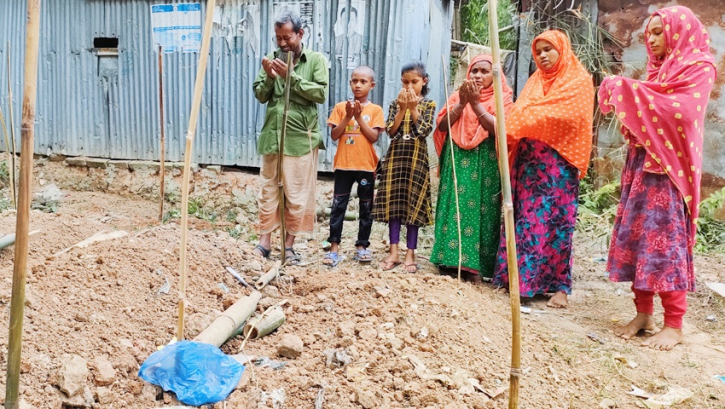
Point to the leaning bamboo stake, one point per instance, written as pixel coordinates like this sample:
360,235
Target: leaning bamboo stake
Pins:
280,156
503,164
268,276
11,171
453,165
162,149
191,131
11,166
17,302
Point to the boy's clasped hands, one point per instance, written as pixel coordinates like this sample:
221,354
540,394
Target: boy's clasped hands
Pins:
353,109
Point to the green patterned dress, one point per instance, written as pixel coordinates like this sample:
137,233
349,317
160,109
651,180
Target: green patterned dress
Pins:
479,195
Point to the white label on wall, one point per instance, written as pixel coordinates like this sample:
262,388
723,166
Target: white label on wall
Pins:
177,27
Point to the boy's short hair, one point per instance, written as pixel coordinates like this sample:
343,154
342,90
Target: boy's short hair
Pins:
367,70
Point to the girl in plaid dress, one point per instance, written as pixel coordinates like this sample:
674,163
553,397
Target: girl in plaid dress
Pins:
404,192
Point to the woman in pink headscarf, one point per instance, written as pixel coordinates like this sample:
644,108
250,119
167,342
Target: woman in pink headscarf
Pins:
662,119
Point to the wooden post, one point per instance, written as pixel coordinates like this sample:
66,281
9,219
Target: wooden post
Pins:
280,154
503,165
453,164
17,302
191,131
162,169
11,166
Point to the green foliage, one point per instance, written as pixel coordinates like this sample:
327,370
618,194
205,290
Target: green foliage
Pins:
235,232
171,215
710,230
4,173
231,216
597,208
195,208
474,17
5,203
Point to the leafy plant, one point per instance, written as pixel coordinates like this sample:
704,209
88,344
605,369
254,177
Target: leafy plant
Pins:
474,17
4,203
4,173
171,215
235,232
710,230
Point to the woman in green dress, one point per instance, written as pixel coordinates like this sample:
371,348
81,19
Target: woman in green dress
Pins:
472,122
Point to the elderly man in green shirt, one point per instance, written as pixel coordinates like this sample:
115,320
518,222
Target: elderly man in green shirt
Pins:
309,85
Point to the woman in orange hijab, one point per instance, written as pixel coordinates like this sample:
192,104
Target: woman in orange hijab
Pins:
550,134
472,115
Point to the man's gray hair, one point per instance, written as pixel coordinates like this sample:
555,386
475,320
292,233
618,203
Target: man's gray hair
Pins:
289,16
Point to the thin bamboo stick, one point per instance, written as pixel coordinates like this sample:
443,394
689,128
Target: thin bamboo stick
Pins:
191,131
11,174
453,165
513,266
280,155
162,149
12,167
17,302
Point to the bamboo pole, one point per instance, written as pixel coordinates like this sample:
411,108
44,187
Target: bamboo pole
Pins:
513,266
11,166
11,172
17,302
224,325
280,155
162,149
257,327
268,276
453,165
191,131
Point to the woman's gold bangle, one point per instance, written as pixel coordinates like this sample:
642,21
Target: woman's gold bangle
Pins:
484,113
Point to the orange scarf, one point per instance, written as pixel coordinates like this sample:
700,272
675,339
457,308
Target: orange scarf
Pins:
467,130
557,106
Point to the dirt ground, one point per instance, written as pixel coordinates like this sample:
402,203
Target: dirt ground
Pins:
104,301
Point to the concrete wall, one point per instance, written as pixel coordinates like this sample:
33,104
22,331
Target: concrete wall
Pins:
627,19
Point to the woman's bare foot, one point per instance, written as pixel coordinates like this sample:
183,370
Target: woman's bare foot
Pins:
410,265
642,322
664,340
558,300
390,262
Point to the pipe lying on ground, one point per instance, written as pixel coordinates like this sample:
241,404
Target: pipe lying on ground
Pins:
227,323
9,239
268,276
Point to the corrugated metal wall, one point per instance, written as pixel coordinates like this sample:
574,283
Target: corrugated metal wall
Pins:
108,106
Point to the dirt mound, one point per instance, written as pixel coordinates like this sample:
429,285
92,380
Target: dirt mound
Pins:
371,339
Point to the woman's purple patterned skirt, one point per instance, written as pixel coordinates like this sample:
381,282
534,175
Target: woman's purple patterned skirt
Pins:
651,244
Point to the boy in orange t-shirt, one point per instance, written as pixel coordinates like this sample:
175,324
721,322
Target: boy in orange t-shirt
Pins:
356,125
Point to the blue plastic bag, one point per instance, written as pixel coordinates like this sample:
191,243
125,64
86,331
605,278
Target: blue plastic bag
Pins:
197,373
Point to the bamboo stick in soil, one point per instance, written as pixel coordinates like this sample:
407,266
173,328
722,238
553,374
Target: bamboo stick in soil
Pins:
191,131
508,208
453,166
9,153
11,166
162,148
280,155
32,33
